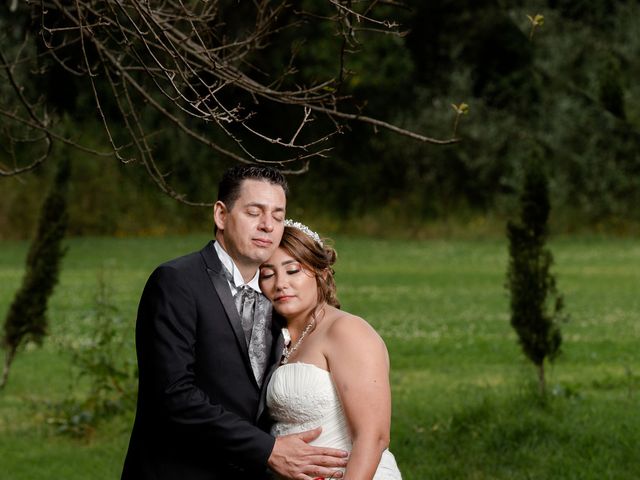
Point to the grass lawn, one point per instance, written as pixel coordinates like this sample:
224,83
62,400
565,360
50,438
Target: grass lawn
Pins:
463,406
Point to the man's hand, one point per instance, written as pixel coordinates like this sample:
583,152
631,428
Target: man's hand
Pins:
292,457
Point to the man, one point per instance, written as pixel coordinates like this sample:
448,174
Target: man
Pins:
206,346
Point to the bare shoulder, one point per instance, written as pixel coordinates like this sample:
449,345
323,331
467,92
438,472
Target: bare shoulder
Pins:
352,345
346,327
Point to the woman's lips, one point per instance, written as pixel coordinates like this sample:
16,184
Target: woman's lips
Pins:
283,298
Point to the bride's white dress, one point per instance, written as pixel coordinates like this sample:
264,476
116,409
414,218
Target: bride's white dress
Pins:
301,396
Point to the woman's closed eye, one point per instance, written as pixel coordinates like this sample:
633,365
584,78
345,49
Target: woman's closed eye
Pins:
266,273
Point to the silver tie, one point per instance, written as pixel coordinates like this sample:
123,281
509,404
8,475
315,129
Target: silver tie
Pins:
254,311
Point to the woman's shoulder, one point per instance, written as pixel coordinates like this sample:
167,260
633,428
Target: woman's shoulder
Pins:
344,325
350,340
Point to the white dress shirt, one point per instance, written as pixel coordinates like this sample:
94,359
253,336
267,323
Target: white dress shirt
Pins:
230,265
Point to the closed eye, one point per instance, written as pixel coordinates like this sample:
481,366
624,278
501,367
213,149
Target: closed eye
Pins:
266,273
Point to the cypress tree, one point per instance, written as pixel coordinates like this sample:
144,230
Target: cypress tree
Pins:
611,90
26,319
536,305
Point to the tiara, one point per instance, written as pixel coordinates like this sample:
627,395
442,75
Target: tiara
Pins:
304,229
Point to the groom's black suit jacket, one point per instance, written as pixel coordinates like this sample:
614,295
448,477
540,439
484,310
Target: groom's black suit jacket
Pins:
199,406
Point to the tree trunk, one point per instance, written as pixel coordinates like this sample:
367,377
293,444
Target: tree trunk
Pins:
8,360
541,382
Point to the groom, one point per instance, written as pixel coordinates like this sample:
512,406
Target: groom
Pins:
206,346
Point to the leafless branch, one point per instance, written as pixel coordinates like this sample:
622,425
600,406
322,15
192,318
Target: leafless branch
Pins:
191,63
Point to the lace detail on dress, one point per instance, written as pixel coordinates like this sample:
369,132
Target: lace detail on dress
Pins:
302,396
300,399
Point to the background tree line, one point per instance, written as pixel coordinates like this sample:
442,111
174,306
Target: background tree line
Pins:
566,97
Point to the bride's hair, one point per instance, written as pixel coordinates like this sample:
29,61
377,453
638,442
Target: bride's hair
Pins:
316,258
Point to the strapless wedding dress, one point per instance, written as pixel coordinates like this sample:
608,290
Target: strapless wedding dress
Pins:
301,396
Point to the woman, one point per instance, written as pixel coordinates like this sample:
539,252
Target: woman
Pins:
335,369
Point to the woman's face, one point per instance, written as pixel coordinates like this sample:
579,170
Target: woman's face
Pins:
289,285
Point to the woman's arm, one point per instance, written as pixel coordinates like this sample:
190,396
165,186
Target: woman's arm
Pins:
359,364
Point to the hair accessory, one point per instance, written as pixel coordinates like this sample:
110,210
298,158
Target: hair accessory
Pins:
304,229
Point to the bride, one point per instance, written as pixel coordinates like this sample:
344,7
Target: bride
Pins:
335,368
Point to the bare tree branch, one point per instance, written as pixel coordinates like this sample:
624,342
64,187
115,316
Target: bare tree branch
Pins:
193,63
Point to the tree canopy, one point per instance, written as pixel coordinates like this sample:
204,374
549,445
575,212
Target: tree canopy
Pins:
563,90
217,72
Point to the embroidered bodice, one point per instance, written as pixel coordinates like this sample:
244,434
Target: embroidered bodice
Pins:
301,396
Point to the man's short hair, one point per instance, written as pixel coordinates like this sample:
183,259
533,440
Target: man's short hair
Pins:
229,186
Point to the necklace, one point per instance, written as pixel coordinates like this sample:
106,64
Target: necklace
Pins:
287,352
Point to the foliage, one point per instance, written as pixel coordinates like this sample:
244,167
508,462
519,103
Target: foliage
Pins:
108,198
536,305
26,319
99,360
215,71
568,94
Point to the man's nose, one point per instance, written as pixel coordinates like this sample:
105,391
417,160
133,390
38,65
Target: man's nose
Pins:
266,224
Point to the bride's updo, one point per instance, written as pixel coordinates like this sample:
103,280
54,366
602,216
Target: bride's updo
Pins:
316,258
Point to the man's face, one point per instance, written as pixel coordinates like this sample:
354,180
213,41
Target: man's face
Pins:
251,231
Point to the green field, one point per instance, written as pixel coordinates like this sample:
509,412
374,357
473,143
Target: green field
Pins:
463,406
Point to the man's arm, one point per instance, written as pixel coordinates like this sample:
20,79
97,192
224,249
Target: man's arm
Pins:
166,339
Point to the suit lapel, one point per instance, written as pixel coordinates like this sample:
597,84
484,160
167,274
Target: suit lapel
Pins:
214,269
